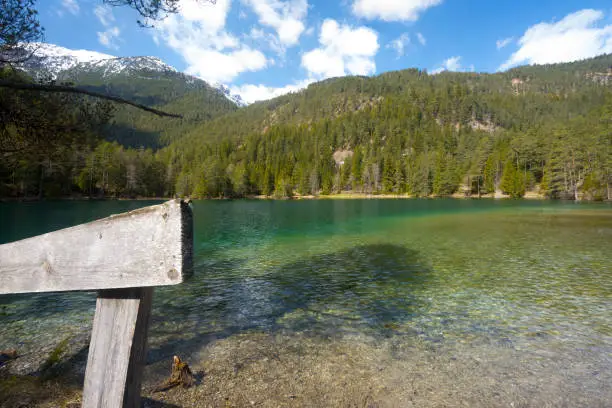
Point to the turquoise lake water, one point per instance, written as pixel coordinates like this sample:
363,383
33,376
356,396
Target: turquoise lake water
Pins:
528,276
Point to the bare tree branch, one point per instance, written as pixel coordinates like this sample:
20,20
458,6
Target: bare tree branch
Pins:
152,10
69,89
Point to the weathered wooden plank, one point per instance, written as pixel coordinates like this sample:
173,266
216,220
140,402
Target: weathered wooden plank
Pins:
138,355
151,246
117,349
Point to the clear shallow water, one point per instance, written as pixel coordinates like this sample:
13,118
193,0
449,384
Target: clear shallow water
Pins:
534,277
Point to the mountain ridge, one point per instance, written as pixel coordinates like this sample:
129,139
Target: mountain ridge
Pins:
543,129
145,80
59,62
340,96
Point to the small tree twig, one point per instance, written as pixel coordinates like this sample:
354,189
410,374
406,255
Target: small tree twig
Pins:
24,86
181,375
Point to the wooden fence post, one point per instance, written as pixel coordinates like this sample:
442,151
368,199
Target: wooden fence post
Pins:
117,349
123,257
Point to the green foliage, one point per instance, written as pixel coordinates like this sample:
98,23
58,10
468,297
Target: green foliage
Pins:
513,181
489,175
169,91
419,134
18,24
445,179
400,132
149,10
55,356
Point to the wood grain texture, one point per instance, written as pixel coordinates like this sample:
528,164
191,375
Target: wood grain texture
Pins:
151,246
117,349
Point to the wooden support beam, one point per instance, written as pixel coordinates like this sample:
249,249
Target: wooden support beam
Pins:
151,246
122,256
117,349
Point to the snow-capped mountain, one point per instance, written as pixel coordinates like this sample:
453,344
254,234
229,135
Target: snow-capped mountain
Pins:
53,60
66,64
237,99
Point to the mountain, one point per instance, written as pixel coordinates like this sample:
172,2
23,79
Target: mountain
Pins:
237,99
55,61
543,128
490,98
52,59
146,80
63,64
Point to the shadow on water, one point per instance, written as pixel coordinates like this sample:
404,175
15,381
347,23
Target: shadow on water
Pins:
46,305
369,289
366,289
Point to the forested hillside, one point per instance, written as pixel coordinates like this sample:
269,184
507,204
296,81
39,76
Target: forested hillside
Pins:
167,90
544,128
43,152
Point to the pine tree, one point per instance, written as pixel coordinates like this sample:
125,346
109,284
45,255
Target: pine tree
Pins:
513,181
489,175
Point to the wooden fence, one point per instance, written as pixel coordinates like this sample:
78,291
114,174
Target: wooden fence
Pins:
122,257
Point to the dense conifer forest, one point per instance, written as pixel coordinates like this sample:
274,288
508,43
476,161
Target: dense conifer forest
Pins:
546,129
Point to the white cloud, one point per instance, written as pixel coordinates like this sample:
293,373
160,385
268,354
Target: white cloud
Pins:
267,40
104,15
197,32
108,38
217,66
344,50
286,17
392,10
257,33
576,36
450,64
502,43
72,6
251,93
453,64
421,39
399,44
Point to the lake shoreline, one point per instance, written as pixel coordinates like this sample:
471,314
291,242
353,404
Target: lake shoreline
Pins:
363,196
529,196
297,369
339,196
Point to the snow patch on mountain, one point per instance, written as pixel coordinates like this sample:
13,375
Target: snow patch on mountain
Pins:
53,60
237,99
45,50
119,65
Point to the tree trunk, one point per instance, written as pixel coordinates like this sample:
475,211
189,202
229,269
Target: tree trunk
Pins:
41,181
576,193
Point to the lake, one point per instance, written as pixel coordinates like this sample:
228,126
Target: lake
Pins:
364,302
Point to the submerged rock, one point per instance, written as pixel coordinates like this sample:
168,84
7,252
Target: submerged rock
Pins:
6,355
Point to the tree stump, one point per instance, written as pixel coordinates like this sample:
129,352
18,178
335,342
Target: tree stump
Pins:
181,375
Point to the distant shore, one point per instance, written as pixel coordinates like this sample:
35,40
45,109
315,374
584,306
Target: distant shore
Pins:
530,195
361,196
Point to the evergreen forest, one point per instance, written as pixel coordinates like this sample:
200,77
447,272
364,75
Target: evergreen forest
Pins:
545,129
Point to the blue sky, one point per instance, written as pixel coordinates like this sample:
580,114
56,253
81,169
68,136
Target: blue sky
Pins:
263,48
